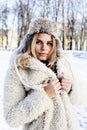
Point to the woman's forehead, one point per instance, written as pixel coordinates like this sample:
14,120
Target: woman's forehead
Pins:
44,36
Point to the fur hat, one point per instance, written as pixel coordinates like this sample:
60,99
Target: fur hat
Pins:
41,25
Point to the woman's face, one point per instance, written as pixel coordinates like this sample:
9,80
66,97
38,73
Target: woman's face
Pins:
43,46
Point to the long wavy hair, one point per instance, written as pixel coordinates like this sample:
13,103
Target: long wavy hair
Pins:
29,51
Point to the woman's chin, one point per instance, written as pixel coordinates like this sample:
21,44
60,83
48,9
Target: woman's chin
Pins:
42,58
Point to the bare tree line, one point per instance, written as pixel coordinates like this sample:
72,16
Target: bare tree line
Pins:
71,16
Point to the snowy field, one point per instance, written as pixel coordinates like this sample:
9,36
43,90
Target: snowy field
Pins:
79,63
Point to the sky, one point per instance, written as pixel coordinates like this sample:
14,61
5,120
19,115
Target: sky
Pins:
10,2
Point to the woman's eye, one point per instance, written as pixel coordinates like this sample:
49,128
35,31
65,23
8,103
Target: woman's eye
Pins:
50,43
38,42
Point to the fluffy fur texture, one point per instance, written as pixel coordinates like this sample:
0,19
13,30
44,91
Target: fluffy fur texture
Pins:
25,101
36,110
41,25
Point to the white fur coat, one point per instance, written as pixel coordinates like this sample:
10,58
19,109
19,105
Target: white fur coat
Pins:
26,103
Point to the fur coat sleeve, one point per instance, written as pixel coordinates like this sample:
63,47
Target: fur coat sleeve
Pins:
19,108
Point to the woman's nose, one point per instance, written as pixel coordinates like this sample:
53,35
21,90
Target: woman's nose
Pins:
44,46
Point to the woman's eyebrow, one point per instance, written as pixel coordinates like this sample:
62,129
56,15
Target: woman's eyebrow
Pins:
42,41
50,41
39,39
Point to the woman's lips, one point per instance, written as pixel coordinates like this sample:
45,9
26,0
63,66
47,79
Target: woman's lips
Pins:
43,54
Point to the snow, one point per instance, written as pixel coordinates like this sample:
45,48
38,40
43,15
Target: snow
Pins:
78,61
4,64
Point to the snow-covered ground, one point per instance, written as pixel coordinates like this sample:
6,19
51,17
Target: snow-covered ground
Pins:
79,63
4,63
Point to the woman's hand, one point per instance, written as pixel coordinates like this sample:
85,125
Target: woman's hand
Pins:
66,84
53,87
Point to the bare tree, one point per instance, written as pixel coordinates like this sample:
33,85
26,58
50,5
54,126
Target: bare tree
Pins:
70,15
4,19
24,17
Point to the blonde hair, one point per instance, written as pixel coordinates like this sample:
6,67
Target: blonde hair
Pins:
52,55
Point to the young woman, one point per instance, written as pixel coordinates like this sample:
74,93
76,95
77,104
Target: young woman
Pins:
39,82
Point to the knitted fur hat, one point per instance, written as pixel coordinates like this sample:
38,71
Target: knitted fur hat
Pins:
41,25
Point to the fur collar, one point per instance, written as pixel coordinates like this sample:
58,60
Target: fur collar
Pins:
35,73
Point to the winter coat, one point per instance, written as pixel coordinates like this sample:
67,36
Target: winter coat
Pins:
26,103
